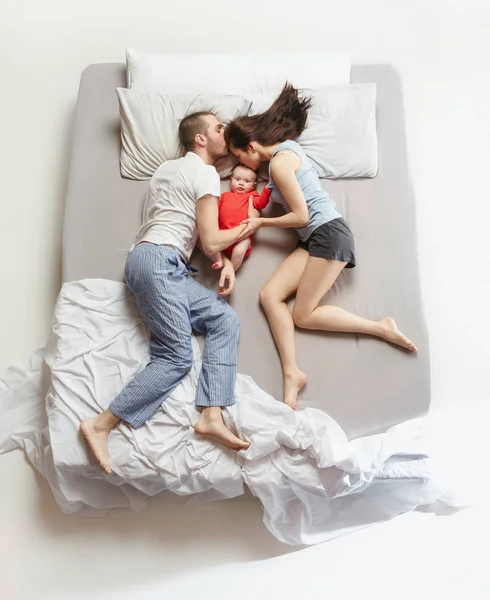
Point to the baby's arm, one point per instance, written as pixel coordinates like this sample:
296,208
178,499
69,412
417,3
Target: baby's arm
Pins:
260,202
252,211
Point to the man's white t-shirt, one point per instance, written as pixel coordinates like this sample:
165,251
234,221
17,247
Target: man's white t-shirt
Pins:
169,215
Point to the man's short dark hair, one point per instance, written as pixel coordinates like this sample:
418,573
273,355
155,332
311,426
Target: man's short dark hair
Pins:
190,126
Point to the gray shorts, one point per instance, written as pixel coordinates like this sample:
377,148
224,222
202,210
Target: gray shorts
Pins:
332,240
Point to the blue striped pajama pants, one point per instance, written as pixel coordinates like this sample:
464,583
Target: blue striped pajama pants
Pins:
173,305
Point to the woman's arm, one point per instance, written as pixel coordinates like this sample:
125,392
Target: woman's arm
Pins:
213,239
283,170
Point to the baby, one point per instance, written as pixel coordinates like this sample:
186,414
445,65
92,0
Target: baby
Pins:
234,208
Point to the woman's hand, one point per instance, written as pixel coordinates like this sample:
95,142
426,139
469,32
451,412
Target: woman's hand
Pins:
227,279
252,225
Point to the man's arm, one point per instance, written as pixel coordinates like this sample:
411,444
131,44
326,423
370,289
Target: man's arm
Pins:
212,238
227,278
212,257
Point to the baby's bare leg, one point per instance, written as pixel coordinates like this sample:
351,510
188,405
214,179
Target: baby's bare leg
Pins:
238,253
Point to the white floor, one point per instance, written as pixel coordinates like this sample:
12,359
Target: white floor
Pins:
441,49
223,550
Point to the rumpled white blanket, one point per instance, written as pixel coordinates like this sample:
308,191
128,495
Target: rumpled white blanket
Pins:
313,483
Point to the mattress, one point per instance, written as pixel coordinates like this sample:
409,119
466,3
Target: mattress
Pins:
365,384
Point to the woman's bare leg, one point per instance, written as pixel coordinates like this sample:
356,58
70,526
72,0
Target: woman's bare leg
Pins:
318,277
283,284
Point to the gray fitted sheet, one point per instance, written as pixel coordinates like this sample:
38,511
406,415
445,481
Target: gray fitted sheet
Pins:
363,383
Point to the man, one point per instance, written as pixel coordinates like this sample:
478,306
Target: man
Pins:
182,200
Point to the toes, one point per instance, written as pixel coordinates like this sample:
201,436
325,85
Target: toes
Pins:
409,344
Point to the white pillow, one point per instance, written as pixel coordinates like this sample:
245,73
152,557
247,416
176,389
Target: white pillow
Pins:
340,138
150,126
232,73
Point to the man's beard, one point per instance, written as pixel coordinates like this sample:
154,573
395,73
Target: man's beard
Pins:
217,153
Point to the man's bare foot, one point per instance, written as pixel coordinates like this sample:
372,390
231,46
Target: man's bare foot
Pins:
293,382
391,334
211,425
96,438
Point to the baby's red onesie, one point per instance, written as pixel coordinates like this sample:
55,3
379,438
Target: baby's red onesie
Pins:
233,209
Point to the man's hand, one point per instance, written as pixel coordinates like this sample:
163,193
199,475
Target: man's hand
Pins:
227,279
252,224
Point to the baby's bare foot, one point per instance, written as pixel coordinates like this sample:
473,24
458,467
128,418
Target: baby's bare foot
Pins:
97,440
293,382
391,334
213,427
217,259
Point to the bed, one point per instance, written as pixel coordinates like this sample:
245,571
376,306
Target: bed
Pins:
365,384
354,454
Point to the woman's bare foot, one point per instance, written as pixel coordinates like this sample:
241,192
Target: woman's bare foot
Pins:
391,334
293,382
211,425
95,431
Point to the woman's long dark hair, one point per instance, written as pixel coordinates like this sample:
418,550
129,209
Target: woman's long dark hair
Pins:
284,120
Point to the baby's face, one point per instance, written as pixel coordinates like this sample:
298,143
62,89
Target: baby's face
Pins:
243,180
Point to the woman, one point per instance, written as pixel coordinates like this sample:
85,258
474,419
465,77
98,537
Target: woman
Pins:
326,243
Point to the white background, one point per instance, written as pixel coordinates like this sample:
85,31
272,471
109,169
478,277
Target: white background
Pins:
442,51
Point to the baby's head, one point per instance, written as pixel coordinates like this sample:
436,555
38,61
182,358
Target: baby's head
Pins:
243,179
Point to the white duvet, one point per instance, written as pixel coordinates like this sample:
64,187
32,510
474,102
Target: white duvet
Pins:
313,483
